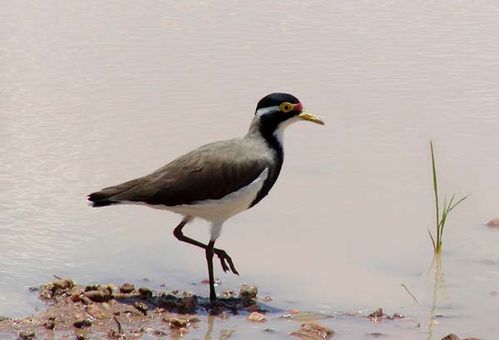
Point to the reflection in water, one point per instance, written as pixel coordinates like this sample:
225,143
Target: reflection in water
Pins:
209,329
224,333
439,292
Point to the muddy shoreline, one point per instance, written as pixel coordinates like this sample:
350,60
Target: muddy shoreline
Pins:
98,311
126,311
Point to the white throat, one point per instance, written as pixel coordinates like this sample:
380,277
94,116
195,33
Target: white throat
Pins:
279,132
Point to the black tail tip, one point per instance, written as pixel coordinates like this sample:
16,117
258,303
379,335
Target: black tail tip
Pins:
101,204
99,201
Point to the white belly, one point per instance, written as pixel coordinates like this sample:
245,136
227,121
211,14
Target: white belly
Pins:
219,210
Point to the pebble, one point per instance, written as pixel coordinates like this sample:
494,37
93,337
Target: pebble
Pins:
63,284
257,317
493,223
127,288
50,323
452,336
56,287
101,294
176,322
141,307
85,300
313,331
82,323
145,292
248,292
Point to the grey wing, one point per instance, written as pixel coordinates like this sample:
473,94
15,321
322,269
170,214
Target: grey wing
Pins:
210,172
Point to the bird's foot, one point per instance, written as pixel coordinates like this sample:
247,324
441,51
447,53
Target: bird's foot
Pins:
225,261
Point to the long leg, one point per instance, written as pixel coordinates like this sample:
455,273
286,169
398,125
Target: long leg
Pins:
221,254
209,259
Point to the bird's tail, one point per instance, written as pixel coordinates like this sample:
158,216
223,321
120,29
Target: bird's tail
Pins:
100,199
111,195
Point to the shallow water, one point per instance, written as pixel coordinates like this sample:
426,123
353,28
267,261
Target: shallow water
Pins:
92,94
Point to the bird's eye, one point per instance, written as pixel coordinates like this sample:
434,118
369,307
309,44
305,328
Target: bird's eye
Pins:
286,107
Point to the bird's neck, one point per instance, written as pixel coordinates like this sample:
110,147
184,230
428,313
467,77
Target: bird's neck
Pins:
264,133
272,135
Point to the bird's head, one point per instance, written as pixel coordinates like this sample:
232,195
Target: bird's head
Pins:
276,111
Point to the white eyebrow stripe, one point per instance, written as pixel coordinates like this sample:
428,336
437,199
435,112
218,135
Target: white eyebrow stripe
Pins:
267,110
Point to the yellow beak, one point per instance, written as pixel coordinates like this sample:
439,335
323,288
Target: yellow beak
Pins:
310,117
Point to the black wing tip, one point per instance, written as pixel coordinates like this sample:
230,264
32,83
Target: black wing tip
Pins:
99,200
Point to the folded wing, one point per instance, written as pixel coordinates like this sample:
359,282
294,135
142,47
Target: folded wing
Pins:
210,172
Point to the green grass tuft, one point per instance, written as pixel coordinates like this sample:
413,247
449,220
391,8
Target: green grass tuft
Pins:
441,216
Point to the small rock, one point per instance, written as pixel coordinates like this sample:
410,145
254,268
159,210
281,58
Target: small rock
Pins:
145,293
141,307
127,288
25,335
81,337
451,337
313,331
493,223
85,300
63,284
91,287
82,323
248,292
102,294
56,287
159,332
257,317
176,322
50,323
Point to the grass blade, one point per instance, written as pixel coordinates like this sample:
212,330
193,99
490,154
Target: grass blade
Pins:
441,216
432,240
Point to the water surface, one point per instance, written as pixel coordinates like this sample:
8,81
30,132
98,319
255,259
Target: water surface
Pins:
92,94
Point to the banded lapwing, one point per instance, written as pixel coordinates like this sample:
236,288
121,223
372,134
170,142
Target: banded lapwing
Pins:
218,180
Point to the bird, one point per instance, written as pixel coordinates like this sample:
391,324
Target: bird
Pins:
218,180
